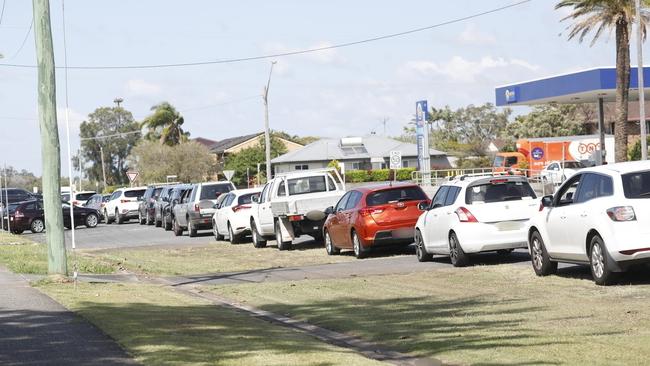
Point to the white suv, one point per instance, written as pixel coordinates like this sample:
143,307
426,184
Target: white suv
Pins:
123,204
473,214
599,217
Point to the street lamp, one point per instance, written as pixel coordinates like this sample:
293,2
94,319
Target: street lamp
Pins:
639,46
267,133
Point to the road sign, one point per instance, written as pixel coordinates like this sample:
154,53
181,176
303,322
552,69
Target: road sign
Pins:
396,159
132,176
228,174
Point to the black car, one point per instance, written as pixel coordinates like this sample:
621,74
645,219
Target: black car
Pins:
29,215
146,206
15,195
174,198
161,202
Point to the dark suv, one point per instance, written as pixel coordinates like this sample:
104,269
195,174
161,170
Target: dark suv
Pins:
29,215
146,206
15,195
174,198
162,201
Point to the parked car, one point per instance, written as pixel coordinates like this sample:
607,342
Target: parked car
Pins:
146,207
232,217
15,195
97,202
599,217
161,201
123,205
474,214
369,217
557,172
294,204
175,197
29,215
78,198
195,211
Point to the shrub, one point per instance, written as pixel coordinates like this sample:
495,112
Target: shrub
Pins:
634,152
356,176
379,175
405,173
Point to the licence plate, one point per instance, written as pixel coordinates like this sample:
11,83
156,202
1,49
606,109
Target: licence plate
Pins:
206,221
509,225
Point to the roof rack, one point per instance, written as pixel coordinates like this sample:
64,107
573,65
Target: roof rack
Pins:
486,174
321,170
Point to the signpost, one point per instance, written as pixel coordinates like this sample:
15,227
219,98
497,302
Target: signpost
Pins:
422,136
228,174
132,176
395,162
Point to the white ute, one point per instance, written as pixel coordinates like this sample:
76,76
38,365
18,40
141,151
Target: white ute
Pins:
294,204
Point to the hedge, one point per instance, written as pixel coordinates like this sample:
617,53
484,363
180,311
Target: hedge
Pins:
379,175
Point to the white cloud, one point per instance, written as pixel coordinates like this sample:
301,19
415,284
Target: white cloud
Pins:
472,35
459,69
139,87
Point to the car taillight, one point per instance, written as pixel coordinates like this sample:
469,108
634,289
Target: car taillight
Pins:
366,211
124,201
19,213
621,213
464,215
240,207
295,217
196,207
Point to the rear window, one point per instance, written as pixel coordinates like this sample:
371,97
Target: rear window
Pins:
498,190
395,195
246,199
65,197
213,191
156,192
84,196
137,193
636,185
306,185
573,165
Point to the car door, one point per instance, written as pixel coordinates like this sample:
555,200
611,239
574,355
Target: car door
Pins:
446,215
222,214
556,218
181,208
432,217
338,220
350,212
265,213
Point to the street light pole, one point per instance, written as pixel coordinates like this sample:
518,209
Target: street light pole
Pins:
267,132
639,48
101,155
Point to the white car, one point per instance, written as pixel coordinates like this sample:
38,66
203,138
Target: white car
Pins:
232,218
123,204
599,217
557,172
473,214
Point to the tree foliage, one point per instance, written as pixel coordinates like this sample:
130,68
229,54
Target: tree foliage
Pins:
107,121
165,125
302,140
20,179
548,121
247,159
190,161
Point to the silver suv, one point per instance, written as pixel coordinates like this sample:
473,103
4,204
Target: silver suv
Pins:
194,211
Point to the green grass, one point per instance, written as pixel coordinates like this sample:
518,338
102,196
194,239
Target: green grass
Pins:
479,315
162,327
21,255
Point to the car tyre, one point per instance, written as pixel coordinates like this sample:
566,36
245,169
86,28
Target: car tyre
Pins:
420,251
141,220
190,228
167,222
359,251
258,240
17,231
158,223
92,220
215,231
542,264
599,263
37,226
150,220
282,245
330,248
178,230
234,239
107,218
119,218
456,253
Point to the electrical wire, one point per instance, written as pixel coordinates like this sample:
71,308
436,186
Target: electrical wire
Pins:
29,30
2,12
109,136
291,53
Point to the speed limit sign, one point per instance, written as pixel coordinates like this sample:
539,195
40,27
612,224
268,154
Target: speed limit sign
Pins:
396,159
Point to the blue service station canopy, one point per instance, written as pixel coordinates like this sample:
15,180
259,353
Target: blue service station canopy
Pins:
580,87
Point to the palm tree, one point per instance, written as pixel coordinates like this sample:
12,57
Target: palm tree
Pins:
165,125
602,16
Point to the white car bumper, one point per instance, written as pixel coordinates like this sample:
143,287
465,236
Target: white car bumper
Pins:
482,237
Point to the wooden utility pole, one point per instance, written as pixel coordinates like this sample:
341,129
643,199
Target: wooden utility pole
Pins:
50,148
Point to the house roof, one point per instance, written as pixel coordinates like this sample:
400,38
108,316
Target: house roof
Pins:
223,145
205,142
330,149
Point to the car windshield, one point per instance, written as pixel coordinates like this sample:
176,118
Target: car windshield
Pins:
573,165
499,190
395,195
636,185
136,193
213,191
498,161
84,196
304,185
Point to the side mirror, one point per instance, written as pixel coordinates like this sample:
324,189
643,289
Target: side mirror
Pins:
330,210
547,201
437,205
255,199
423,206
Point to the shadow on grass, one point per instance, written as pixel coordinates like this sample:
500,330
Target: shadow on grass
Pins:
491,258
637,275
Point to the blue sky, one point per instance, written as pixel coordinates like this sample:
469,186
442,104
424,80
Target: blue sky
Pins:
342,92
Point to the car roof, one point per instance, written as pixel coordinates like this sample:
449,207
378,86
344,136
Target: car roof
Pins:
240,192
131,189
620,168
383,186
480,179
214,183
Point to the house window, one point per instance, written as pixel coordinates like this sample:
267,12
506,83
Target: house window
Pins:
302,167
384,166
405,163
355,165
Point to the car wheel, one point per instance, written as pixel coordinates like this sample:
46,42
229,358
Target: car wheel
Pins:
542,263
599,260
234,239
119,218
158,222
17,231
190,228
420,250
282,245
92,220
215,231
37,226
456,253
167,223
359,251
141,220
258,240
149,219
107,218
178,230
330,248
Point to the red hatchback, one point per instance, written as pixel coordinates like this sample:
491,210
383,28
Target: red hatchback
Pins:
368,217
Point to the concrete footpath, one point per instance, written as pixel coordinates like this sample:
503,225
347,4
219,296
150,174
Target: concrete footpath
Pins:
36,330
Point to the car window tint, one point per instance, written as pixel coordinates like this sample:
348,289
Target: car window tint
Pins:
84,196
594,186
353,201
134,193
342,202
395,195
245,199
212,191
264,193
306,185
282,189
30,206
440,197
65,197
498,190
452,194
331,184
565,195
115,195
512,160
636,185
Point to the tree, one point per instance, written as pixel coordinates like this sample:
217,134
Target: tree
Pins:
601,16
304,140
190,161
247,160
548,121
119,125
165,125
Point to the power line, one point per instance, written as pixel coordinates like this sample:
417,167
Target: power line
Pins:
29,30
109,136
291,53
2,12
